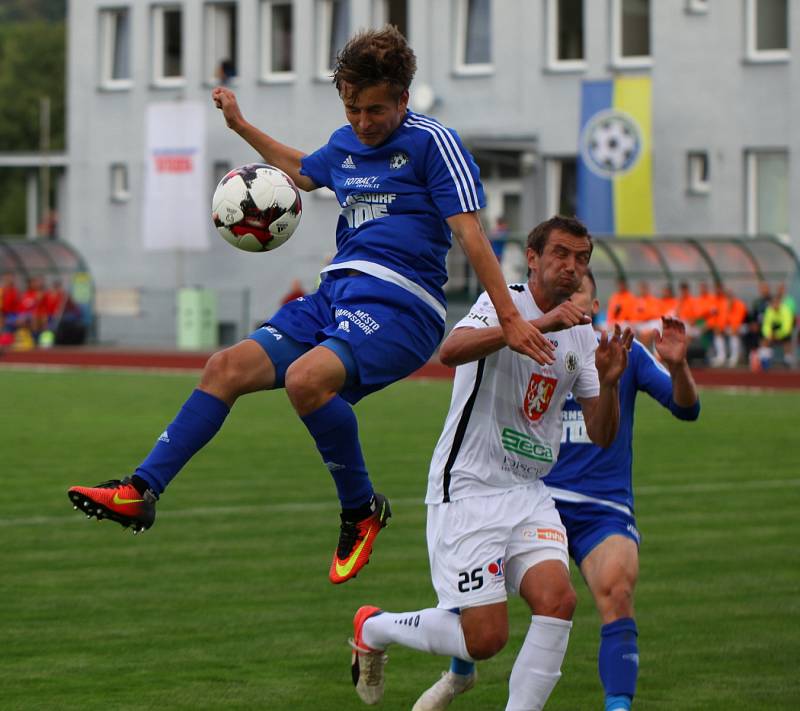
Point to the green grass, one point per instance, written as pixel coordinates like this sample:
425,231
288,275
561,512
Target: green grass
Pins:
226,603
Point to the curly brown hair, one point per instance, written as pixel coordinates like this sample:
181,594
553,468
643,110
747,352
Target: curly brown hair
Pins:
374,57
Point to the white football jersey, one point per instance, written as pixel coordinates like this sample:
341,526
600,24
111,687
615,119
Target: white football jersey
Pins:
504,424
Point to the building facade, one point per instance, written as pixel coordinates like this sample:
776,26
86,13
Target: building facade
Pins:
507,74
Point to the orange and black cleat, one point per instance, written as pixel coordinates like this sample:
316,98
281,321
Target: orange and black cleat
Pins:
118,500
355,541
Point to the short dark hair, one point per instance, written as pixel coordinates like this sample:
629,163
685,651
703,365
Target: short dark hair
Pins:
537,239
374,57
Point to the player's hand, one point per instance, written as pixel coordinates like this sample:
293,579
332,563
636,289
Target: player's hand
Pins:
672,344
611,356
565,315
225,100
523,337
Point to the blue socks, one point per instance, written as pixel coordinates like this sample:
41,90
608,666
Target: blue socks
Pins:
193,427
335,430
459,666
618,662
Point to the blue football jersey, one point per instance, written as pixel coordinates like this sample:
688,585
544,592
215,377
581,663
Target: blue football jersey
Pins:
606,474
395,199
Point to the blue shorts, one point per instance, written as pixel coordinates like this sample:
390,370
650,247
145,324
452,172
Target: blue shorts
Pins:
390,332
589,524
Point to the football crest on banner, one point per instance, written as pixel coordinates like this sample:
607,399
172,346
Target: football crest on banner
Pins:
611,143
398,160
538,395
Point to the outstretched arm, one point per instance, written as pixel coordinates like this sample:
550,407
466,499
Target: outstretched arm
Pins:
275,153
519,335
672,345
465,344
601,413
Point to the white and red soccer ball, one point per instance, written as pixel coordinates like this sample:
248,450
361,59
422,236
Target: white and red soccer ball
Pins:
256,207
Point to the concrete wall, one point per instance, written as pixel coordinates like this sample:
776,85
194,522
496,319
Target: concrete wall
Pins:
706,96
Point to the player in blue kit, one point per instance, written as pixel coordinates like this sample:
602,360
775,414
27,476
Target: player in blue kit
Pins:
405,184
593,491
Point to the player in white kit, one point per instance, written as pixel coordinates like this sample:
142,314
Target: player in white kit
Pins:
492,525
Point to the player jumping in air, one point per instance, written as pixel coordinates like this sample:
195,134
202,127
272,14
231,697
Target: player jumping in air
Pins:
404,183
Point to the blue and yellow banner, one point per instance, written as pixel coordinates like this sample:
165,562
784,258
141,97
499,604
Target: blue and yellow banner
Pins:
615,166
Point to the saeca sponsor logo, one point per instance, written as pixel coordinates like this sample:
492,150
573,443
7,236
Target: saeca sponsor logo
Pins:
523,444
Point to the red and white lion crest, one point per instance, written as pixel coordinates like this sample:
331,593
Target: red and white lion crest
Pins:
538,395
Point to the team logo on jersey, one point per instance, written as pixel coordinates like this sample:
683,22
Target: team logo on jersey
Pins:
398,160
571,361
538,395
348,163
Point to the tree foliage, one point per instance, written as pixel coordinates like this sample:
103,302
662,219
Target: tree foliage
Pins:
28,10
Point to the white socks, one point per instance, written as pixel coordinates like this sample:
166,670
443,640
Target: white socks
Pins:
538,664
433,630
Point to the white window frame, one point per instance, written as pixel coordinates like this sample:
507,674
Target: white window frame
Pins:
267,74
108,43
553,170
553,62
753,53
461,67
752,155
324,26
215,51
697,183
617,58
697,7
119,182
157,25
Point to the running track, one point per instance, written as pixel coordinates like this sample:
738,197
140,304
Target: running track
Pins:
94,357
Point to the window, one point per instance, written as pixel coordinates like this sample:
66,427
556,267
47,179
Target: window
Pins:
565,34
562,186
119,183
768,192
167,46
391,12
115,48
698,172
473,37
333,31
277,33
767,30
630,31
220,53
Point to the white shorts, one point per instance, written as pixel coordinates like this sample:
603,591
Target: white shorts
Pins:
480,547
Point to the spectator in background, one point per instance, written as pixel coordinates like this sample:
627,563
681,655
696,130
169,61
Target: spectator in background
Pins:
754,324
669,302
735,328
646,315
498,236
296,290
777,328
621,306
9,298
225,72
717,324
29,308
688,309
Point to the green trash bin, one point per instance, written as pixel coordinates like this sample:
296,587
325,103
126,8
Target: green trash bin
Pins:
197,319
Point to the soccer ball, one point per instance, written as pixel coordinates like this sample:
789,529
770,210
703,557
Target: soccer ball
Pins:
256,207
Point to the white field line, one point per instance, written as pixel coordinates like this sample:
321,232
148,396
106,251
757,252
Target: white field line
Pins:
651,490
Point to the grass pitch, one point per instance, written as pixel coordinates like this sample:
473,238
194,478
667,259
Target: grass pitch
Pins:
225,603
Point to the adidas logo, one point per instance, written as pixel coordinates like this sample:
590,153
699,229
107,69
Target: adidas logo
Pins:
164,437
344,326
348,164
